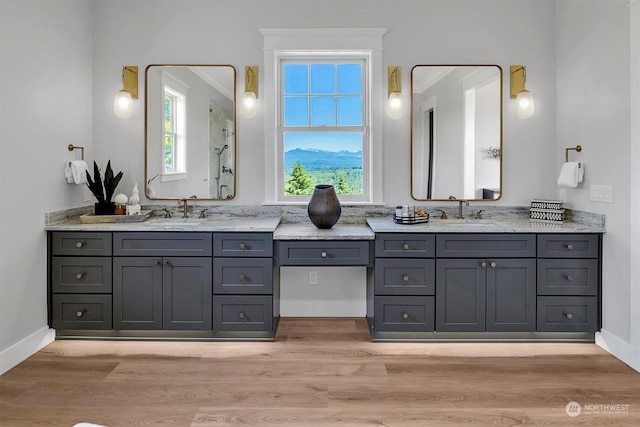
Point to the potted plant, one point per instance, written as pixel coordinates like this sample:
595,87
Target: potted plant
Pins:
103,188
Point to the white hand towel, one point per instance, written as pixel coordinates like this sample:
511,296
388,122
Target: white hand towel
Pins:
67,173
78,171
571,174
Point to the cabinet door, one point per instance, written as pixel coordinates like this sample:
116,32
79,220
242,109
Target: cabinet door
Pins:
137,293
511,295
460,295
187,289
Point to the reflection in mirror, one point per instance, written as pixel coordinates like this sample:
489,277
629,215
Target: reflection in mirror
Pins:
190,142
456,132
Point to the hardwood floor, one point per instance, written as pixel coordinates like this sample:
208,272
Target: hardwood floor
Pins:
319,372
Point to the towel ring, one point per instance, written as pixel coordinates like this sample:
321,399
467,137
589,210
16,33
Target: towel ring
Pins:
578,148
72,147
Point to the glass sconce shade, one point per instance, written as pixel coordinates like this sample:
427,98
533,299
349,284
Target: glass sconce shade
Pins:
396,109
249,105
123,104
524,105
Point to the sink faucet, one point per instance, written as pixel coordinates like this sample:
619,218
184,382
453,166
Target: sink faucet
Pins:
460,203
185,213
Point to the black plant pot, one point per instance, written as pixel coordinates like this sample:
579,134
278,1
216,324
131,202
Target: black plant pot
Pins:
324,207
104,208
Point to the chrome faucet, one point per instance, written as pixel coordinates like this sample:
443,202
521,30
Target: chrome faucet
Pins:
185,213
460,203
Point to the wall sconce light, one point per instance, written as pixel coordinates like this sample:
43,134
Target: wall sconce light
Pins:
395,107
250,97
123,102
524,98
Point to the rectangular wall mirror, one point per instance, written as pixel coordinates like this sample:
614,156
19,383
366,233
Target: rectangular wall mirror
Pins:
456,132
190,143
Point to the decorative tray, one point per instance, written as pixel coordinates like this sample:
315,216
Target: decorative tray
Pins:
100,219
411,219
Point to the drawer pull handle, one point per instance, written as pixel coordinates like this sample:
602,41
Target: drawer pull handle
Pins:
405,278
242,277
570,246
405,246
323,254
483,265
405,316
79,244
242,246
242,316
79,276
79,313
569,278
493,265
569,316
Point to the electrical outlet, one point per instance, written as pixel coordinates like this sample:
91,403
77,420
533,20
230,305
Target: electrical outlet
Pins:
313,277
601,193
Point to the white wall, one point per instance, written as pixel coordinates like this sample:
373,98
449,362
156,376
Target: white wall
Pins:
593,110
45,61
81,46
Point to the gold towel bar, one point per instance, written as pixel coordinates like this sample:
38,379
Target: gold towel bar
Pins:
72,147
578,148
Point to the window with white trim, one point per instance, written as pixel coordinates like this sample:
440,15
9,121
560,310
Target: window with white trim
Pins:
323,125
323,104
174,136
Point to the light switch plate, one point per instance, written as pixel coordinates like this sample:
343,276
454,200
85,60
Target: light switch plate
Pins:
313,277
601,193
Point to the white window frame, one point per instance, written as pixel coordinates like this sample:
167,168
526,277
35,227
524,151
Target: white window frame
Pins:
287,43
179,90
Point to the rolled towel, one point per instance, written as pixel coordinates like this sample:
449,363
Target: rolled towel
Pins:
78,171
67,173
571,174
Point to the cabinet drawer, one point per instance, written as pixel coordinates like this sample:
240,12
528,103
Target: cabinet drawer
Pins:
568,277
323,252
243,244
405,277
568,246
567,314
80,243
75,311
85,275
243,275
242,313
486,245
404,313
405,245
162,244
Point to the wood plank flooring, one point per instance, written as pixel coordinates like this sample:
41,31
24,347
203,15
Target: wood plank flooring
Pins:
319,372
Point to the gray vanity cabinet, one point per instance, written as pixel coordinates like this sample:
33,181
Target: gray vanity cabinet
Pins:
496,294
154,289
244,284
404,283
80,280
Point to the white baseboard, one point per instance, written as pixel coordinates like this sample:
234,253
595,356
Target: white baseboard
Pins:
619,348
21,350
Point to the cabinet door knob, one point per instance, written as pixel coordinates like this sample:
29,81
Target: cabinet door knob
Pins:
155,263
570,246
405,316
323,254
79,244
79,276
242,277
569,316
405,278
242,246
165,262
80,313
483,265
405,246
493,265
242,316
569,278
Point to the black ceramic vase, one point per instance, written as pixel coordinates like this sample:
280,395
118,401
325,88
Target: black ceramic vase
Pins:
324,207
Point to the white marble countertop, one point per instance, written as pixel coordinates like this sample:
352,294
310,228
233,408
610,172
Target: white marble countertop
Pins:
307,231
502,225
257,224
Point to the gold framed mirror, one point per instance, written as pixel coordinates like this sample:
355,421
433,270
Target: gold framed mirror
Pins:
456,132
190,142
